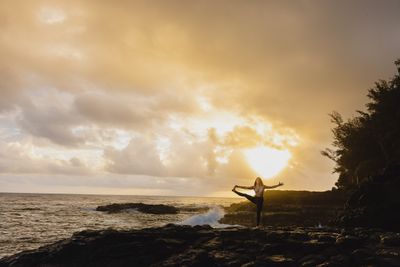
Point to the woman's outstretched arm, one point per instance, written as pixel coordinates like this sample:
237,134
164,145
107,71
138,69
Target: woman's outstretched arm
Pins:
274,186
244,187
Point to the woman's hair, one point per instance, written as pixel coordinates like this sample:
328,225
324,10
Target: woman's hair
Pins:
260,181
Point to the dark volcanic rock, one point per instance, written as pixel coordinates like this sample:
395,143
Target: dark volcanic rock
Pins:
174,245
145,208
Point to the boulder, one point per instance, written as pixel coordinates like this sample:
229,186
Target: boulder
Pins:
141,207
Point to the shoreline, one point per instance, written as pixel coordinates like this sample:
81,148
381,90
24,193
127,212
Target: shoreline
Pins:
179,245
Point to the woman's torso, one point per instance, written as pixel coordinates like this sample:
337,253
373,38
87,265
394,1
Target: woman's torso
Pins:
259,190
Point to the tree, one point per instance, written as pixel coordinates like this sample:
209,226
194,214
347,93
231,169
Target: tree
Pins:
369,142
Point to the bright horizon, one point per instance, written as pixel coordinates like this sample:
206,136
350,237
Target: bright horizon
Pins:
179,97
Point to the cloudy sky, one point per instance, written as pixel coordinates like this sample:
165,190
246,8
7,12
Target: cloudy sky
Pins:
182,97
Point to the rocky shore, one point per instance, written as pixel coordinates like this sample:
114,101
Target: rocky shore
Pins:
174,245
289,208
141,207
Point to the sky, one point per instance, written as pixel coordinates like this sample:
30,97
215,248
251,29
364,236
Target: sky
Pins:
182,97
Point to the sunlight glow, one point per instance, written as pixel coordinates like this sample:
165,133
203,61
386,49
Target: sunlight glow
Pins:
266,161
51,15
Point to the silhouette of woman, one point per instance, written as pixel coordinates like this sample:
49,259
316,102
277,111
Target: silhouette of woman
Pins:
258,198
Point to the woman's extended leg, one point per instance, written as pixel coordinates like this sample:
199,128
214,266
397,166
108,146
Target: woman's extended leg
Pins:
250,198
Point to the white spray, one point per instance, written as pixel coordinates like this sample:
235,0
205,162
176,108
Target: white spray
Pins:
211,217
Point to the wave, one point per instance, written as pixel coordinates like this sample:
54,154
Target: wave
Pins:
211,217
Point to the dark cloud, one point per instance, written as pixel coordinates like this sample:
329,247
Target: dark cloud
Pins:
103,109
51,119
133,110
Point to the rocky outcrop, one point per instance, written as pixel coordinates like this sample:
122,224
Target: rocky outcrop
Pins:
376,202
289,208
174,245
141,207
289,216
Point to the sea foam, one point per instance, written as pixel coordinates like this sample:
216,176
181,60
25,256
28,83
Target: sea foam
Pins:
211,217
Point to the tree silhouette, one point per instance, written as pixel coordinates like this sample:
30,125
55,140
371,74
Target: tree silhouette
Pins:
369,142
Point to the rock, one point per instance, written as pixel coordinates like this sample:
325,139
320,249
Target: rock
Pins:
388,252
324,237
388,262
278,260
191,257
392,239
359,255
311,260
141,207
329,264
226,256
315,246
330,251
271,261
276,235
271,248
348,241
213,243
299,235
341,260
289,208
178,245
250,264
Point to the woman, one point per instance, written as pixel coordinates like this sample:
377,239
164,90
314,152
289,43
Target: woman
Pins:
258,199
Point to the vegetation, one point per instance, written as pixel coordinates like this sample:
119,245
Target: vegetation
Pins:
368,143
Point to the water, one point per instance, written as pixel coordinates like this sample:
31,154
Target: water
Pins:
28,221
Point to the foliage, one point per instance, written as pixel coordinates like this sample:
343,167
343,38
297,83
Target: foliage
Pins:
369,142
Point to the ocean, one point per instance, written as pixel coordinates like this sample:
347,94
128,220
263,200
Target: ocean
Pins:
28,221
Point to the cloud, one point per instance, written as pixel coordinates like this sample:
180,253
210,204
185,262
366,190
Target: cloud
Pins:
111,110
17,158
180,155
133,110
138,92
184,153
48,114
139,157
9,89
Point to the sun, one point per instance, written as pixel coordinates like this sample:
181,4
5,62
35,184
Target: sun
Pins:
267,161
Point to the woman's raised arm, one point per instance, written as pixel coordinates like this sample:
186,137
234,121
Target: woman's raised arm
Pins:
274,186
244,187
